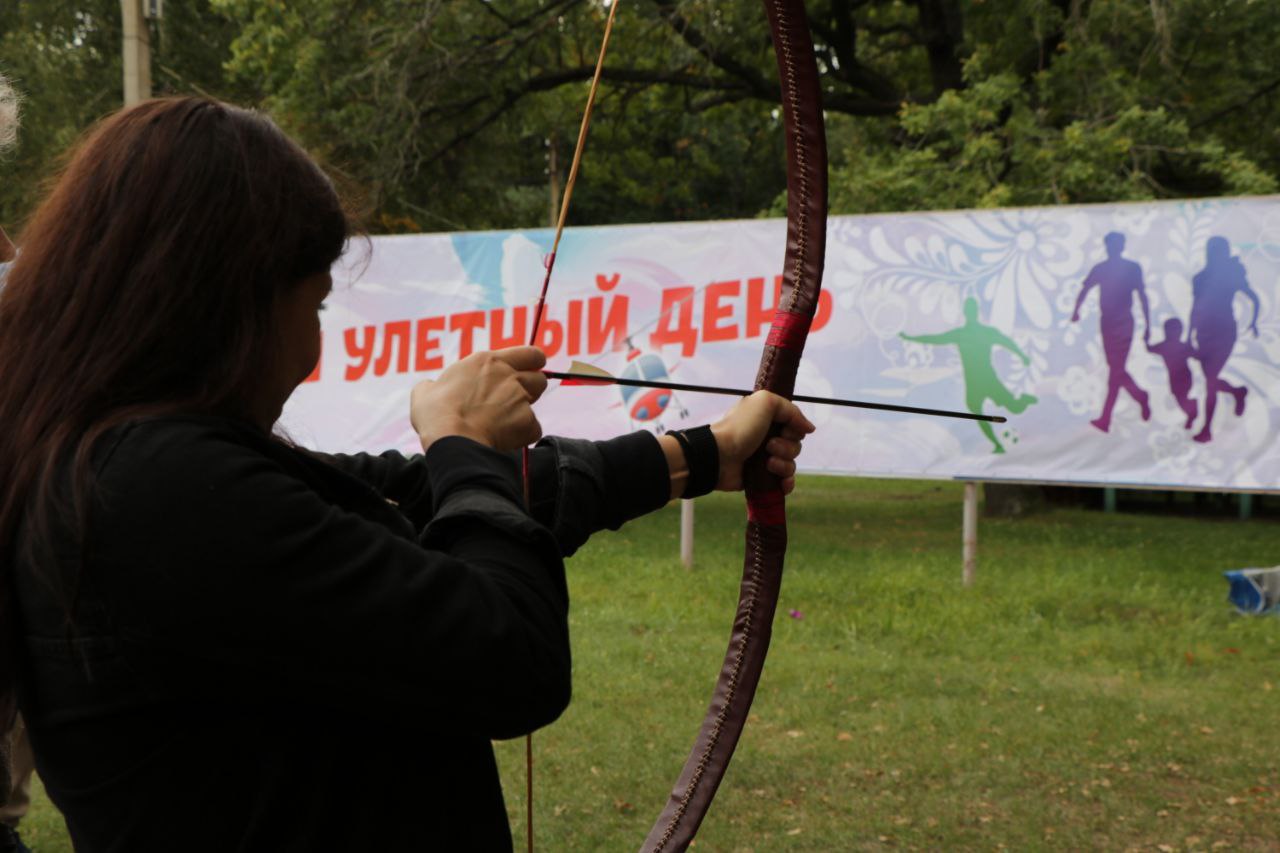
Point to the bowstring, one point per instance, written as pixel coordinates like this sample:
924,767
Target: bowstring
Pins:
533,336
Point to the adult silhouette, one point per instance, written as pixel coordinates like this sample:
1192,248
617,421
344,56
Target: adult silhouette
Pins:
1213,324
975,341
1118,280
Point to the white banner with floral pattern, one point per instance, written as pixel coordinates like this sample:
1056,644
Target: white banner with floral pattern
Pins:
1130,345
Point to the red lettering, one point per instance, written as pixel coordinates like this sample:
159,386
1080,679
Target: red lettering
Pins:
714,310
498,339
760,314
466,323
677,305
574,336
600,327
606,283
363,352
395,338
823,314
426,343
550,336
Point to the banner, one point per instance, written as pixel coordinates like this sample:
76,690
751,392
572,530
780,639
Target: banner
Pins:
1128,345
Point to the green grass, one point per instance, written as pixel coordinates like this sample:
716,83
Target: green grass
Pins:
1093,690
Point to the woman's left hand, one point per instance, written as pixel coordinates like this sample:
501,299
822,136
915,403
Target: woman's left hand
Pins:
740,432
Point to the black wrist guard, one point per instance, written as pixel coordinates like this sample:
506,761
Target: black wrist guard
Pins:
702,456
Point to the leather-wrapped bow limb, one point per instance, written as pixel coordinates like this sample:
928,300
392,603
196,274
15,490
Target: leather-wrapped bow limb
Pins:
766,535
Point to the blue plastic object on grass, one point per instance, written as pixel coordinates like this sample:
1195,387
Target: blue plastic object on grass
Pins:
1255,591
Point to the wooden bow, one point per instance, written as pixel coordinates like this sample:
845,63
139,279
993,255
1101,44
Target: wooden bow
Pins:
766,535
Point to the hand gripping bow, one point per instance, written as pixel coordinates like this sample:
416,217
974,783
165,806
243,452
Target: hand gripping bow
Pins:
766,515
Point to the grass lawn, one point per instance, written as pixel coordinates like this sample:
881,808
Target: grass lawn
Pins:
1093,690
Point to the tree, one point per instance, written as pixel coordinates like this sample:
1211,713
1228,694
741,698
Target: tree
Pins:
65,56
462,114
1080,102
60,56
933,103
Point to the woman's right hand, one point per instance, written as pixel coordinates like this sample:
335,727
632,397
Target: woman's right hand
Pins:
486,397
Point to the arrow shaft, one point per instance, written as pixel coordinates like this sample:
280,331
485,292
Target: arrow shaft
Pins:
573,177
587,378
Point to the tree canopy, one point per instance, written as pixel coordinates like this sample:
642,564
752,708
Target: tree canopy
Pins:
462,114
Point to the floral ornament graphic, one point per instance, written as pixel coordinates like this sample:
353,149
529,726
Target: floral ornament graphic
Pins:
1015,261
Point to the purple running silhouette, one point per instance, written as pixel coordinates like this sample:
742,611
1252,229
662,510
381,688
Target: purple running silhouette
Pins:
1213,324
1177,354
1118,280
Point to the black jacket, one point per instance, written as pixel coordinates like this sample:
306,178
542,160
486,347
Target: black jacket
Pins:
278,650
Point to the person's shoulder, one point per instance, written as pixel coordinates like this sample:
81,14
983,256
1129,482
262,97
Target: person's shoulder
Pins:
176,450
165,433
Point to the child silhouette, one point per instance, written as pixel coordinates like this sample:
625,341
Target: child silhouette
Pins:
1176,354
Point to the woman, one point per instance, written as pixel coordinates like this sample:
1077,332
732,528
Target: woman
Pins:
224,642
1213,330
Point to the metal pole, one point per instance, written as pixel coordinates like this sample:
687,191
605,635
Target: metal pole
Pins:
1246,506
686,533
970,550
137,52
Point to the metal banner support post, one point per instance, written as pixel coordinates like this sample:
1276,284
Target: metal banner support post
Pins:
686,533
136,48
970,546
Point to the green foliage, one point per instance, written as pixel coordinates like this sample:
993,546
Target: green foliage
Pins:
1114,101
65,59
447,114
462,115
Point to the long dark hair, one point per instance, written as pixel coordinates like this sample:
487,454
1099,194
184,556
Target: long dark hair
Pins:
146,284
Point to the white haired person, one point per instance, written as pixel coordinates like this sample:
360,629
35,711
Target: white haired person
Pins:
16,762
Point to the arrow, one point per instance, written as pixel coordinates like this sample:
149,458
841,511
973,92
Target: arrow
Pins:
587,374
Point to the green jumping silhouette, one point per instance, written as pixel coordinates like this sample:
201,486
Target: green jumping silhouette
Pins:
975,341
